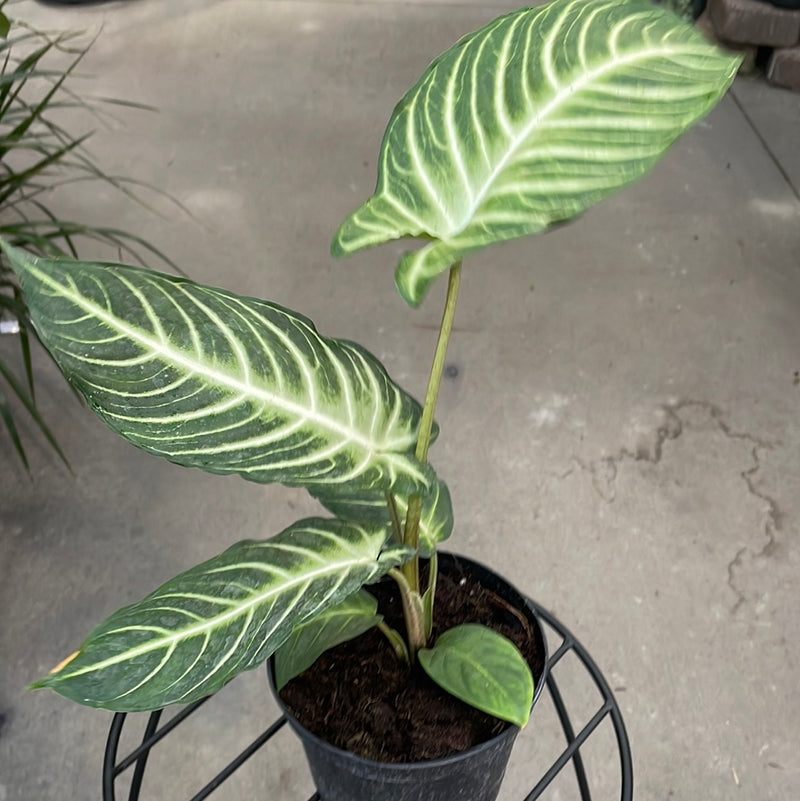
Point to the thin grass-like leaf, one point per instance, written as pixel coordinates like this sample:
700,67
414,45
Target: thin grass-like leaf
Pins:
30,407
11,427
19,179
25,347
38,155
11,91
27,234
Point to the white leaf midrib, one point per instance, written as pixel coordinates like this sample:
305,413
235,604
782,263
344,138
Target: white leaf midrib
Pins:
196,367
562,95
342,567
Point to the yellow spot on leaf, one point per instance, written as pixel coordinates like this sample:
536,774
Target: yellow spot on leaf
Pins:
61,665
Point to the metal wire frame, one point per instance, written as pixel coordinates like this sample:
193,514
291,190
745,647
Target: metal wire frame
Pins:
608,707
569,644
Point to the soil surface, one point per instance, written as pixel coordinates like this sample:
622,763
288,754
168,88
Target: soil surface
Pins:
359,697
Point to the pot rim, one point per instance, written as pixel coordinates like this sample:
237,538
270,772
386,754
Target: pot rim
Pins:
511,730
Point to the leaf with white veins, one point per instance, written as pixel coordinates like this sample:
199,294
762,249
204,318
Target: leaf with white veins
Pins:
529,121
222,617
229,384
436,521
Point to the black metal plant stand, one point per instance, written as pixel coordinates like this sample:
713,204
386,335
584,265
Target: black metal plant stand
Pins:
153,735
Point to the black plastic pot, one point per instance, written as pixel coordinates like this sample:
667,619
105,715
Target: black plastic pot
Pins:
473,775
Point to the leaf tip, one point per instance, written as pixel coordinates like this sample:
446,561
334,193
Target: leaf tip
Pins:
371,224
346,240
337,248
522,720
410,286
18,259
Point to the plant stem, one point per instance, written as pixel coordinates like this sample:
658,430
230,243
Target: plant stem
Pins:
394,516
430,594
411,538
396,641
435,380
413,615
411,533
410,570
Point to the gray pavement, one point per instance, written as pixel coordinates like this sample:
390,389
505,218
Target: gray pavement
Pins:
621,437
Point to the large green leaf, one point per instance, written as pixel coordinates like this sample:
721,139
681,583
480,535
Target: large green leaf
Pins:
225,616
208,379
335,625
482,668
436,521
529,121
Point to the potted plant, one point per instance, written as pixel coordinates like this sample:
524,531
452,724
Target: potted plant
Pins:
518,127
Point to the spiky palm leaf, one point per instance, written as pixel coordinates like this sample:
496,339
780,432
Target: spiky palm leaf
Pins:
37,155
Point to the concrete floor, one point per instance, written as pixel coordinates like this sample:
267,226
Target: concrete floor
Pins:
621,438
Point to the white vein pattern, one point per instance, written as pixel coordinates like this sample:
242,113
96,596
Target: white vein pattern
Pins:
528,122
208,379
436,520
225,616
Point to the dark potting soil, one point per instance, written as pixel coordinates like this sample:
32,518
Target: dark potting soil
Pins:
359,697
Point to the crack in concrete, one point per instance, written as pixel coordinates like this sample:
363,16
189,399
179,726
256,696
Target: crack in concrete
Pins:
774,516
603,473
772,525
735,563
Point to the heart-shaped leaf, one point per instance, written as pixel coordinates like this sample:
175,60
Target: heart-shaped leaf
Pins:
482,668
225,616
529,121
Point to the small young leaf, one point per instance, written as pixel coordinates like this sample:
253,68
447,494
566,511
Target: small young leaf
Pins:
429,595
345,621
482,668
397,642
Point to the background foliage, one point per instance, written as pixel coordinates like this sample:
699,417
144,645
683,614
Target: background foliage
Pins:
38,155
